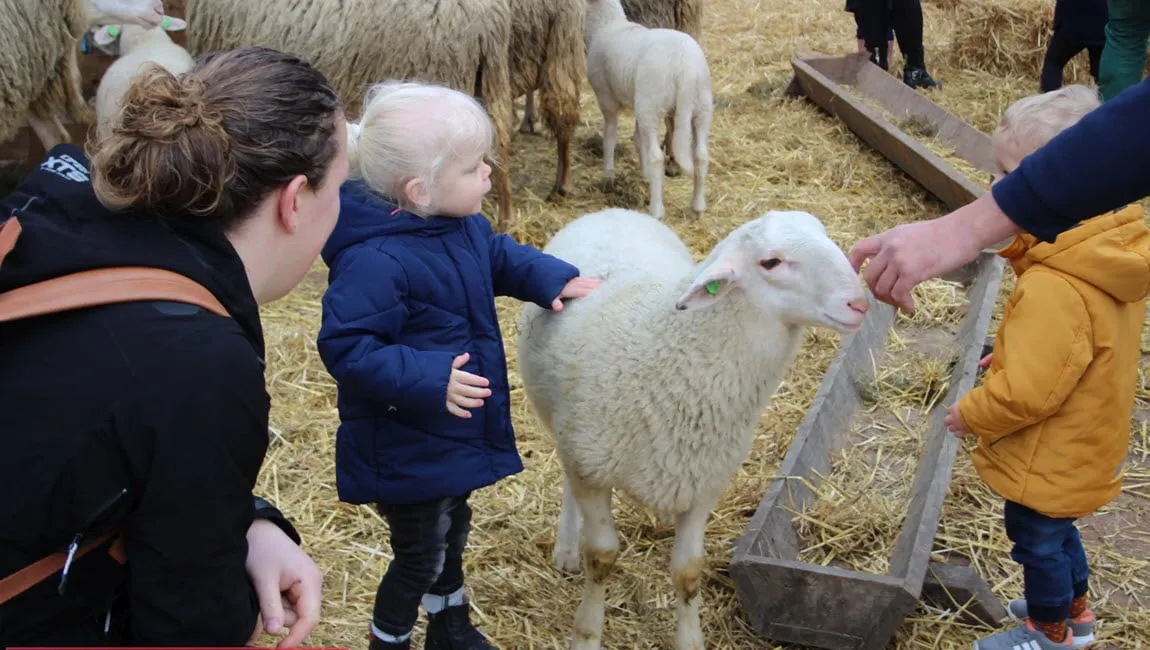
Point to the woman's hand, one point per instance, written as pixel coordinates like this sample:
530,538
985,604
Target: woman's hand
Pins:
576,288
287,581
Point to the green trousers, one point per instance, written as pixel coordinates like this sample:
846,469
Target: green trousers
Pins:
1124,56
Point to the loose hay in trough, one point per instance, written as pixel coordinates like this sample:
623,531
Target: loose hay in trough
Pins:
767,152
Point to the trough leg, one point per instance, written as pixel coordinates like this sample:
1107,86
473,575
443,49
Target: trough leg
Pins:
687,562
566,552
600,549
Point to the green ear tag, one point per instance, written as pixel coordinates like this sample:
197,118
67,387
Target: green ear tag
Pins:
712,287
166,22
113,31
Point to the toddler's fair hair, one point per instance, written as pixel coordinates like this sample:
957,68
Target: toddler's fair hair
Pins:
410,130
1029,123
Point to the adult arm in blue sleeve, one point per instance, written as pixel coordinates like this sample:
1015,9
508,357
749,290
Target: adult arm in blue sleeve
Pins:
364,311
525,272
1093,167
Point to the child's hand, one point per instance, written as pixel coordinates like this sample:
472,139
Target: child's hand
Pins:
576,288
465,390
954,422
985,362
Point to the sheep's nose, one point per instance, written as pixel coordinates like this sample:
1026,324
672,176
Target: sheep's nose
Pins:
861,305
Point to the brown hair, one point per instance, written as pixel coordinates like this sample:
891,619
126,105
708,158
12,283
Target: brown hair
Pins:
215,141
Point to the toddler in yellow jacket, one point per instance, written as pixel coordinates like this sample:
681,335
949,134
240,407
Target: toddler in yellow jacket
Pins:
1052,415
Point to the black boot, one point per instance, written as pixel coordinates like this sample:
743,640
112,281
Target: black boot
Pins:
917,77
451,629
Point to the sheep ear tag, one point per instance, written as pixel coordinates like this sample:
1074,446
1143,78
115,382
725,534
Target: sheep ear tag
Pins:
712,287
170,24
106,35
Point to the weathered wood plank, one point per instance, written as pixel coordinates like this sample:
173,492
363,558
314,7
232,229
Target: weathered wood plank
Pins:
958,588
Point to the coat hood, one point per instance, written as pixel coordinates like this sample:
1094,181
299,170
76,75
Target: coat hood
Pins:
1110,252
65,229
365,215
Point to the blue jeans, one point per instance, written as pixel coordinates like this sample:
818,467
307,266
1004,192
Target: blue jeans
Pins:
1053,561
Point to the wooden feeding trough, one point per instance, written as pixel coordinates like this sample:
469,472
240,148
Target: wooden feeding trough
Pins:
789,600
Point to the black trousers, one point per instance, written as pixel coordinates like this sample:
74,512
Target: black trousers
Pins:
875,17
427,542
1058,53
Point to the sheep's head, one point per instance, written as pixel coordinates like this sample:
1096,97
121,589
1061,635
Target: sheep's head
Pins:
784,263
146,13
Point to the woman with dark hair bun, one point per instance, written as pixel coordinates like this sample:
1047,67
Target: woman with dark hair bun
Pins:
132,431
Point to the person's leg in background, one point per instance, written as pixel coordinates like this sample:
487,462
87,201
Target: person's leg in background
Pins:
906,18
1095,52
1124,55
1058,53
873,20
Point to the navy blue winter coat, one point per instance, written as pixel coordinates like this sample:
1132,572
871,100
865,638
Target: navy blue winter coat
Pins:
406,296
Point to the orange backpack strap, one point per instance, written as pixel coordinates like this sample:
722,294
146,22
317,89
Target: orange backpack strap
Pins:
76,291
97,287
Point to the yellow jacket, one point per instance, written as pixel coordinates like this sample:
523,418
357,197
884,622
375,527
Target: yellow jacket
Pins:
1053,412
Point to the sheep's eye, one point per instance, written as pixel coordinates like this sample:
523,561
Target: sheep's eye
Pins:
771,263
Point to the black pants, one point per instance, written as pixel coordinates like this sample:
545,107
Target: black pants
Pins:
1059,53
875,17
427,542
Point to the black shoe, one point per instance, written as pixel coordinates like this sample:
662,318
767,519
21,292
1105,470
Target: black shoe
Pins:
918,78
451,629
379,644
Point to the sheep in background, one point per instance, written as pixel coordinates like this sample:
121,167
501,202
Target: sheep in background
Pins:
654,383
462,44
662,76
547,55
683,15
138,46
41,73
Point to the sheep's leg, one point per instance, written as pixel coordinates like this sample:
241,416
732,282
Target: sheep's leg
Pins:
651,160
51,131
527,126
687,563
566,552
610,138
600,549
702,161
672,165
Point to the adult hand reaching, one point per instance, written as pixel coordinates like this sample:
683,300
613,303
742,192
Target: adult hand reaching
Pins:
287,581
907,254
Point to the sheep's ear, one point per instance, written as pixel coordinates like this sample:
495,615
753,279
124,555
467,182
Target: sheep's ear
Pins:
106,35
171,24
715,279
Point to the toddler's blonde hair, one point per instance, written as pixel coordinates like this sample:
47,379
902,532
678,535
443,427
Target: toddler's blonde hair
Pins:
410,130
1029,123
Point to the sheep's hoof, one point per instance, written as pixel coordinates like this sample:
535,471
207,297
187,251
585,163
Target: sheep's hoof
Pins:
566,560
607,184
696,214
557,193
527,128
672,169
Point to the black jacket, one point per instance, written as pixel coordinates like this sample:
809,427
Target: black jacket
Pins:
163,401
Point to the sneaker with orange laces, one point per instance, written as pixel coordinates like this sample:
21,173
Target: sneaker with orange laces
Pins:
1081,627
1023,637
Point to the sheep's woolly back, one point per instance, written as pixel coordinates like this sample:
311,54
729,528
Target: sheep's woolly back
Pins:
39,59
547,54
659,403
683,15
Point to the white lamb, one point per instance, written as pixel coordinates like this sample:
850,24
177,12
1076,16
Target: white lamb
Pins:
662,76
654,383
137,47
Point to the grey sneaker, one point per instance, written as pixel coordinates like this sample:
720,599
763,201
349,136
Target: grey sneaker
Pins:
1082,628
1023,637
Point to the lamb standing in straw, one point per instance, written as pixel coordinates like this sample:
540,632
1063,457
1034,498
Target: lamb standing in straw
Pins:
462,44
547,54
654,383
41,73
660,74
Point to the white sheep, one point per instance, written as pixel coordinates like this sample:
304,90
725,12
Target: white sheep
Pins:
138,46
653,384
41,78
662,76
